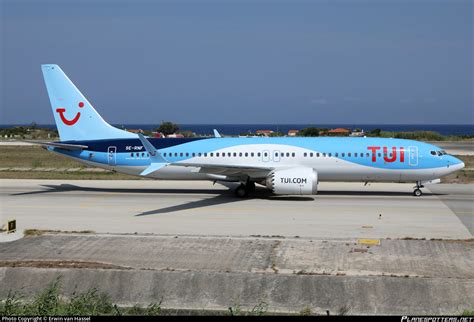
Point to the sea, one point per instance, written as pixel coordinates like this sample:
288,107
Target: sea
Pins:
236,129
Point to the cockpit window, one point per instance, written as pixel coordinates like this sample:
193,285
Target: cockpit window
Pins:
438,153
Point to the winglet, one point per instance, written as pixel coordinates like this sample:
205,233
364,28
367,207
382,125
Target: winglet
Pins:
155,156
217,134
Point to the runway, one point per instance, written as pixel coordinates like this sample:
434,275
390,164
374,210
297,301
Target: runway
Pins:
340,210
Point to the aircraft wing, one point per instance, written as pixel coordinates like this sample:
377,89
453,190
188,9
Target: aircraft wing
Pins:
64,146
232,171
229,170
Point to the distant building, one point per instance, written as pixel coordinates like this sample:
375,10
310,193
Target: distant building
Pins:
158,134
292,132
135,130
174,135
264,132
339,132
357,133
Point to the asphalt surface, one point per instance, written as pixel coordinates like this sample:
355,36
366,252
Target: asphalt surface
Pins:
299,256
340,210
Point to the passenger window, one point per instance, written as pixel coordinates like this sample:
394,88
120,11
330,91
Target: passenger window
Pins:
131,154
276,154
311,154
324,154
287,154
217,154
205,154
259,154
194,154
329,154
293,154
187,154
229,154
246,154
355,154
317,155
199,154
380,155
212,154
235,154
349,154
240,154
433,152
265,154
251,154
181,154
304,154
337,154
343,154
176,154
143,154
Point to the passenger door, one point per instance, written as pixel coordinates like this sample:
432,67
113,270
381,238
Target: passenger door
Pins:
413,155
111,155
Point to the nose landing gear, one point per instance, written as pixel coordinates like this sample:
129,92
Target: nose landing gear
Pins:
417,192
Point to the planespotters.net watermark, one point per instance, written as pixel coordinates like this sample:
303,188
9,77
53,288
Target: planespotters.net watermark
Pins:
437,319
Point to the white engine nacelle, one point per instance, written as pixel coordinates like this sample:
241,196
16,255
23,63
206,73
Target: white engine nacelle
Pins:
294,181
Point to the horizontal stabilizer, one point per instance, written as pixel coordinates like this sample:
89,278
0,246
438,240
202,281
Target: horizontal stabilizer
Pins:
64,146
153,168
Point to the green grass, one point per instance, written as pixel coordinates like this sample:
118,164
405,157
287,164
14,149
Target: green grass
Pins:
67,175
33,156
50,302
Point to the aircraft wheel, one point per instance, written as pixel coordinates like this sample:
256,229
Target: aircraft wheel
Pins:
241,191
417,192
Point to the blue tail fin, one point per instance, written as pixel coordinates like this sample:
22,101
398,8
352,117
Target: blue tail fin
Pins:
75,117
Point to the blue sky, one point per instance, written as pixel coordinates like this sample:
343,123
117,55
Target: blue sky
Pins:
243,61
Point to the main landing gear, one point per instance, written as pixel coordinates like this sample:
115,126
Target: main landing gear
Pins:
417,192
244,189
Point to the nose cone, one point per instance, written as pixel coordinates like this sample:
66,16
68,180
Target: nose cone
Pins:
456,164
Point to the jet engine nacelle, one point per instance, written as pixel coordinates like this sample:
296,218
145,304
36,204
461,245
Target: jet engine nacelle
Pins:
294,181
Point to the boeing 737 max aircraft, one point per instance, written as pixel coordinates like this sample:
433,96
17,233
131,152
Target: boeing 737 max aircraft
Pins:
284,165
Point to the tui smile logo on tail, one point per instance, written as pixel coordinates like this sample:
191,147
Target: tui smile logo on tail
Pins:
61,111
